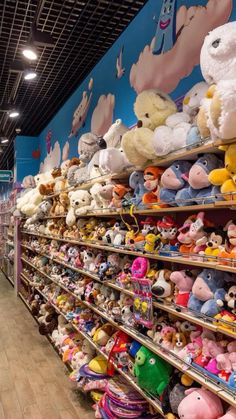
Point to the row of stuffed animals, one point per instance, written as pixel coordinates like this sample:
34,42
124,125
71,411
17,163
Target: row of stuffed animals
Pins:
208,292
183,183
208,112
198,237
179,395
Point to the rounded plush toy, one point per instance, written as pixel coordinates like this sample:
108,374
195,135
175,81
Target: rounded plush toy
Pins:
218,112
152,372
80,204
226,177
114,134
200,189
151,108
200,404
174,179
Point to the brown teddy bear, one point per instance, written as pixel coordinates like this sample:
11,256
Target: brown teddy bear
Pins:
62,204
49,321
48,188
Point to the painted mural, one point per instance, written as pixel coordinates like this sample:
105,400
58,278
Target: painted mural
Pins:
160,49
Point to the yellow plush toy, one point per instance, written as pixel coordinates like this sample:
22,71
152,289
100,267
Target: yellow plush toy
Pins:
226,177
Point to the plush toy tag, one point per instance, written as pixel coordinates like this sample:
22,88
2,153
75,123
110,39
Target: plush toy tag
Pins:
198,224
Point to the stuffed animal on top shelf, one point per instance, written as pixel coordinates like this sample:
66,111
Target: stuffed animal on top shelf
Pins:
152,175
218,111
200,189
80,204
151,108
174,179
225,178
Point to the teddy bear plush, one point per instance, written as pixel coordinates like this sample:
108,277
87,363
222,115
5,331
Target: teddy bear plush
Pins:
50,320
225,178
218,111
48,188
28,204
74,164
80,204
152,108
60,205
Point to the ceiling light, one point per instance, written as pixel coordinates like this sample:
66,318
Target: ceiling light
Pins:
13,113
30,53
4,140
30,75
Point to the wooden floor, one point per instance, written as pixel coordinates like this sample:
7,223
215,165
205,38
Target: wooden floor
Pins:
33,381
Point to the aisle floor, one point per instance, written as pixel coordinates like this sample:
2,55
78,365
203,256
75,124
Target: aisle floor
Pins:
33,380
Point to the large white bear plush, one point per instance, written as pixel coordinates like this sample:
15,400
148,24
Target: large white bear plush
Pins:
218,64
174,134
29,202
80,204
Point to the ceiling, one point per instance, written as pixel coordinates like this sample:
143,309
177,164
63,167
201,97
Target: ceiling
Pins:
82,30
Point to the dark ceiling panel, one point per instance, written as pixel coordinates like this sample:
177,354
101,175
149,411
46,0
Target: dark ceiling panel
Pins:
83,31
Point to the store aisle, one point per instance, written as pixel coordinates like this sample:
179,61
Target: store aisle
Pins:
33,382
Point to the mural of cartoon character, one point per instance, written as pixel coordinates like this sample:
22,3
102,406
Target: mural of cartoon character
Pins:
120,70
166,27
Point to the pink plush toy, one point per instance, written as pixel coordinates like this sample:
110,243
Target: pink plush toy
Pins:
184,281
200,404
230,414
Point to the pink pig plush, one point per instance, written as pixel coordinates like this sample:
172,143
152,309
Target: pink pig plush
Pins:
230,414
184,281
200,404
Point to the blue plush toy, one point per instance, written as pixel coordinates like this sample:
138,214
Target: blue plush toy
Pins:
173,179
136,182
207,291
193,137
200,190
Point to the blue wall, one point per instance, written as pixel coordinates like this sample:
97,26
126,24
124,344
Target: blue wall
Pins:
174,72
27,157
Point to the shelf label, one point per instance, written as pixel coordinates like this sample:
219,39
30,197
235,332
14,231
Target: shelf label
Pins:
6,176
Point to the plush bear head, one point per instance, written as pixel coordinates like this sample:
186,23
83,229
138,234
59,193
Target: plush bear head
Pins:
43,178
152,107
114,134
217,57
79,198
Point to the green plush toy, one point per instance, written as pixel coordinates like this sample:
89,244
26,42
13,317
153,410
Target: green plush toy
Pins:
152,372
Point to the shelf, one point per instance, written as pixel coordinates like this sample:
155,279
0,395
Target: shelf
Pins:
204,321
150,400
171,358
182,260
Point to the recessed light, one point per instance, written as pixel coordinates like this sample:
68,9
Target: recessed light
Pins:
4,141
30,53
30,75
13,114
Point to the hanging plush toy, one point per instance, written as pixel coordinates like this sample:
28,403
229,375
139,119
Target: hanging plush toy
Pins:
152,372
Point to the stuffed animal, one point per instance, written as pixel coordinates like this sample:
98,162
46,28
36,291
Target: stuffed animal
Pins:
174,179
73,165
176,133
152,175
114,135
136,182
230,414
80,204
118,194
225,178
183,281
50,321
162,286
43,210
208,288
200,404
112,160
174,394
200,190
215,243
29,202
218,111
151,108
83,356
61,204
152,372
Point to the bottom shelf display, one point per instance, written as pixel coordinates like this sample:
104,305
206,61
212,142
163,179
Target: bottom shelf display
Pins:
72,320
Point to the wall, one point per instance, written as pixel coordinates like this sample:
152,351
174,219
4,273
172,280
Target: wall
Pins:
27,157
103,97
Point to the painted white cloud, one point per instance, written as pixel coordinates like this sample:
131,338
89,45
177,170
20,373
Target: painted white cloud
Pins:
102,117
166,70
52,160
65,151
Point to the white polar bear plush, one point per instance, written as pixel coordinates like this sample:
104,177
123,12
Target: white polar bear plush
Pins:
80,204
173,135
114,134
28,204
218,66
